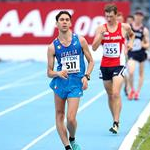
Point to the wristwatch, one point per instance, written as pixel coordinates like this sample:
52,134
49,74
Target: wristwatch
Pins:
87,76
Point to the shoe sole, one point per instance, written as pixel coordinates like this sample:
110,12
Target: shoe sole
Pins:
113,131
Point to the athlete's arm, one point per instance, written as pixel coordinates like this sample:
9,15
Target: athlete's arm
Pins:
130,34
145,42
51,60
89,59
98,37
87,54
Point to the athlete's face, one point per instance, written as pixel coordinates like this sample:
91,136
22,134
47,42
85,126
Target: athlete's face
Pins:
138,18
129,20
64,23
110,17
120,19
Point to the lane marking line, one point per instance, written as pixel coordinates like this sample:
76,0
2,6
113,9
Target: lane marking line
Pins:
134,131
13,84
131,136
19,105
12,68
50,130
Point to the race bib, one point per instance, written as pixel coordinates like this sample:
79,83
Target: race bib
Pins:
71,63
111,50
137,45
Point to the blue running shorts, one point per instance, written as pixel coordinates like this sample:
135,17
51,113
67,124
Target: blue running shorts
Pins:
67,88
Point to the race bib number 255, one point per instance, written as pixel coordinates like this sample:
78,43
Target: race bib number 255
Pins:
111,49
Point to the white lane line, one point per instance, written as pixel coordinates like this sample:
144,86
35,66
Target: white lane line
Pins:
12,68
30,83
50,130
13,84
134,131
131,136
34,98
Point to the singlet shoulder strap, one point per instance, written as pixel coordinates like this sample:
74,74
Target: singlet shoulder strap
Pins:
120,27
74,35
105,25
56,40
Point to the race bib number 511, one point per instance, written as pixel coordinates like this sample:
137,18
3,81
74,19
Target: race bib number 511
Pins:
111,49
71,63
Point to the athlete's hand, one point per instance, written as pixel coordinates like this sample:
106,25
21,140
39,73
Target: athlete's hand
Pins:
63,74
85,83
129,46
144,45
103,30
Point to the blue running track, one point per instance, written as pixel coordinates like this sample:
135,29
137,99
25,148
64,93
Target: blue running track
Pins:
27,114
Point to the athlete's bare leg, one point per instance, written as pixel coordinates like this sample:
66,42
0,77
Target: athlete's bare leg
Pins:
109,89
141,76
117,105
126,85
131,68
113,89
60,116
73,104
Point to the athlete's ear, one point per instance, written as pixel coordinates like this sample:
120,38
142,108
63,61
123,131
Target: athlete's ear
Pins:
70,24
56,23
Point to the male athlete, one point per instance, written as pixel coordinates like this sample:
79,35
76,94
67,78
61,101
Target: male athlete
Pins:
138,54
120,17
112,37
70,79
130,19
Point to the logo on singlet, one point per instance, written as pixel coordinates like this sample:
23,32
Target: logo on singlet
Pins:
59,47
